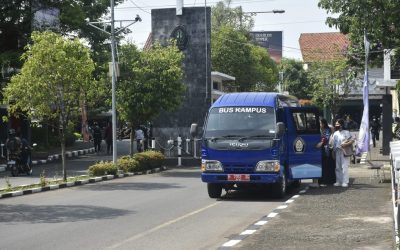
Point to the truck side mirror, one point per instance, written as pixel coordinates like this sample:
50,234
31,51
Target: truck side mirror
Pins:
280,129
194,130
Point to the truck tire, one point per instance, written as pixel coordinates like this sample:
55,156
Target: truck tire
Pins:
279,188
214,190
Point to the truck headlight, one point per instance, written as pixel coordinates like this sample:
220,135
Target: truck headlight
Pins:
268,166
211,166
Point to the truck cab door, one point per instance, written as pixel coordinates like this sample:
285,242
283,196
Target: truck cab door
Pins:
302,135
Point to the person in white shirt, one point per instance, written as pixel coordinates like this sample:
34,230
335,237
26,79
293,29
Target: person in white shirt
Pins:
341,138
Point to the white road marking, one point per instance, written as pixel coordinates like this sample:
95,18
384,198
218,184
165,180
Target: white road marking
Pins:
289,201
272,215
261,223
282,207
161,226
231,243
295,196
302,191
248,232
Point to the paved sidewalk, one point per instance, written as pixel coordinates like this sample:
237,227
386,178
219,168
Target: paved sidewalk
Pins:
358,217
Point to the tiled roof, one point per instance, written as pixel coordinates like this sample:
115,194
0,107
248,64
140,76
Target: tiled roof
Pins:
317,47
149,42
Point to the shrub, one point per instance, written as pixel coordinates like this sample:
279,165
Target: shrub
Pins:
103,168
78,136
149,159
128,164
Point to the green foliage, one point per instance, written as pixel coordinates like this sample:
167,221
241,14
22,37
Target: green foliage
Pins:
138,162
55,75
43,181
128,164
295,79
149,159
232,53
103,168
380,20
8,187
332,82
154,82
224,15
77,136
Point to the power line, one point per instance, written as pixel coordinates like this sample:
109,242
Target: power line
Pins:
140,8
209,2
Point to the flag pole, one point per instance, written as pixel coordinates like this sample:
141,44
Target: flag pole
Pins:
363,135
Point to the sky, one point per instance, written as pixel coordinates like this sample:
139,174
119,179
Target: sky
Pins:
301,16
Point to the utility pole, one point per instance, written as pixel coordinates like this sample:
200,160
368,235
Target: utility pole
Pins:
113,75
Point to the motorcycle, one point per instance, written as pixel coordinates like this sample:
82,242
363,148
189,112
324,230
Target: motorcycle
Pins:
15,164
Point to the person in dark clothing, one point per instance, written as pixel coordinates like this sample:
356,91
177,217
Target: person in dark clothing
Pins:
108,137
97,137
396,132
375,128
328,163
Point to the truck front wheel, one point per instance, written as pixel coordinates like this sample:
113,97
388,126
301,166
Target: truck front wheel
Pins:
279,188
214,190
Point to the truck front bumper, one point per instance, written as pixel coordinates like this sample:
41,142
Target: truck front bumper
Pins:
223,178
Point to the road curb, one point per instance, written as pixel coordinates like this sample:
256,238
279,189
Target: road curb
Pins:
55,157
77,183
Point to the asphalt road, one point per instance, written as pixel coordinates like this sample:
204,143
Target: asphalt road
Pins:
168,210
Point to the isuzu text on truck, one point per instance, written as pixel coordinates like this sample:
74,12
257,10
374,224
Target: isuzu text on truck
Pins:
254,139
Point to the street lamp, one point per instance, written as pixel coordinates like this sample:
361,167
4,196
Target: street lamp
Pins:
113,78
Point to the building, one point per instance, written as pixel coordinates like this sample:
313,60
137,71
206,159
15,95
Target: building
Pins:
218,87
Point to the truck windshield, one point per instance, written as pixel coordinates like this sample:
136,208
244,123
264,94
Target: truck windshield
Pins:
230,122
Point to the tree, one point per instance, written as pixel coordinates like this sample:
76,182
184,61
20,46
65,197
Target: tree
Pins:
379,19
295,79
233,52
151,82
55,75
332,81
223,15
264,70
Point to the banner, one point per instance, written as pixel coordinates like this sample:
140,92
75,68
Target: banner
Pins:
363,135
271,40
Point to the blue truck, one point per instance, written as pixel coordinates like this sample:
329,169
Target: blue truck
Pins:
259,140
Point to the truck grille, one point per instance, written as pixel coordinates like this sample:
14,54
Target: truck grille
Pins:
238,168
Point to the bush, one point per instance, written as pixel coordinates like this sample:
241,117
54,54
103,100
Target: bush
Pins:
149,159
128,164
103,168
78,136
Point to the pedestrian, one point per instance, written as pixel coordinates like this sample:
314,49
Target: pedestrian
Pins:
108,137
328,162
139,135
375,128
97,137
396,132
341,138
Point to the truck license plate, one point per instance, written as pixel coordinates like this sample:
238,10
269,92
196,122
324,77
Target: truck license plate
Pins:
238,177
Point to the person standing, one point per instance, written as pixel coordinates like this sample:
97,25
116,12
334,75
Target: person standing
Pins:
396,132
375,128
108,137
97,137
328,163
139,135
341,138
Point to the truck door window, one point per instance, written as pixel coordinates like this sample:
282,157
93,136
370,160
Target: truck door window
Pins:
305,122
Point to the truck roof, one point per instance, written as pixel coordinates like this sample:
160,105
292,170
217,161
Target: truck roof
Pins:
256,99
